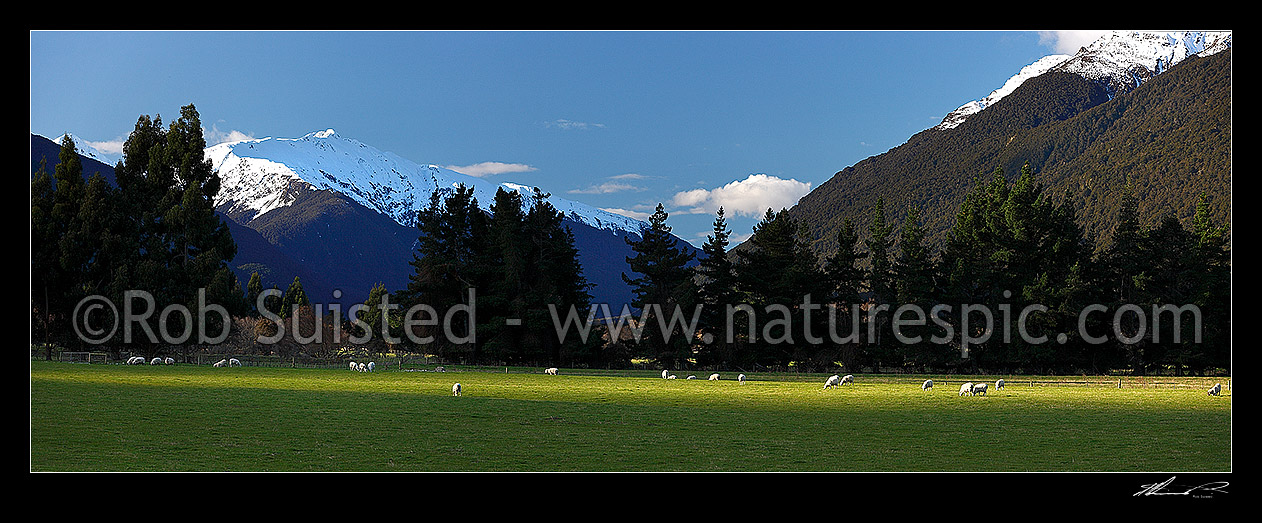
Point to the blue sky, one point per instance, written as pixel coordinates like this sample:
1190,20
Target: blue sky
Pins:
618,120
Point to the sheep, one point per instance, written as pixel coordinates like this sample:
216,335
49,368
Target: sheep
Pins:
221,363
849,378
354,366
156,361
999,384
832,381
135,360
169,361
1215,390
361,367
692,376
979,388
455,389
741,378
670,377
927,385
966,388
714,377
664,374
233,362
372,365
440,369
551,371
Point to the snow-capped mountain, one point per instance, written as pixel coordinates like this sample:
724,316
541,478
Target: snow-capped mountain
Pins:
1121,60
261,175
90,150
1043,65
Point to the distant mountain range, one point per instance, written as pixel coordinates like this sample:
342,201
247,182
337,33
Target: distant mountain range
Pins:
1151,109
340,215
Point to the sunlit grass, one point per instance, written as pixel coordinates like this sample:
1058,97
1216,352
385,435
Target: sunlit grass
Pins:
191,418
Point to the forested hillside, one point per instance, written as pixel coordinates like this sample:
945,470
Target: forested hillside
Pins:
1170,138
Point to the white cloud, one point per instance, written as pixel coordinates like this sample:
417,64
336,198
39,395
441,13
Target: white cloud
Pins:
1068,42
750,197
491,168
214,136
629,214
628,176
606,188
570,124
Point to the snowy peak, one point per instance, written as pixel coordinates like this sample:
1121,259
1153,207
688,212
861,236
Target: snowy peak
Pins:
1043,65
1124,59
261,175
1121,60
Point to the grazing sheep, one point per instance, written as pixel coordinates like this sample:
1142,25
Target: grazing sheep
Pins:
135,360
372,365
440,369
832,381
927,385
999,384
692,376
455,390
741,378
156,361
233,362
663,373
169,361
354,366
979,388
1215,390
849,378
671,377
714,377
361,367
221,363
966,388
551,371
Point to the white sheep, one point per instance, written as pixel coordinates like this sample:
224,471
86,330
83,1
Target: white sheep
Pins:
664,374
233,362
966,388
714,377
832,381
849,378
440,369
455,390
670,377
221,363
927,385
741,378
979,388
1215,390
155,361
169,361
372,365
135,360
551,371
692,376
361,367
999,384
354,366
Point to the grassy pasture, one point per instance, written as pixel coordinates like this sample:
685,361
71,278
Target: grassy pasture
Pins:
200,418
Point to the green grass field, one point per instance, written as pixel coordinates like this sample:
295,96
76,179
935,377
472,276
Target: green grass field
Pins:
200,418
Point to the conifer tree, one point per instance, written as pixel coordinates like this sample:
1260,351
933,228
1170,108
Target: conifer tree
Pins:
662,281
716,290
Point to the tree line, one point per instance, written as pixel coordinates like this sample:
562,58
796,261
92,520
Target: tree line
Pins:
1006,293
1017,288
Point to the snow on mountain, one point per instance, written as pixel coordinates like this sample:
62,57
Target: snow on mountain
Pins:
88,149
1043,65
1121,60
261,175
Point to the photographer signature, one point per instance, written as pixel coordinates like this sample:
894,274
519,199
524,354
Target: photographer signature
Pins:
1158,489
